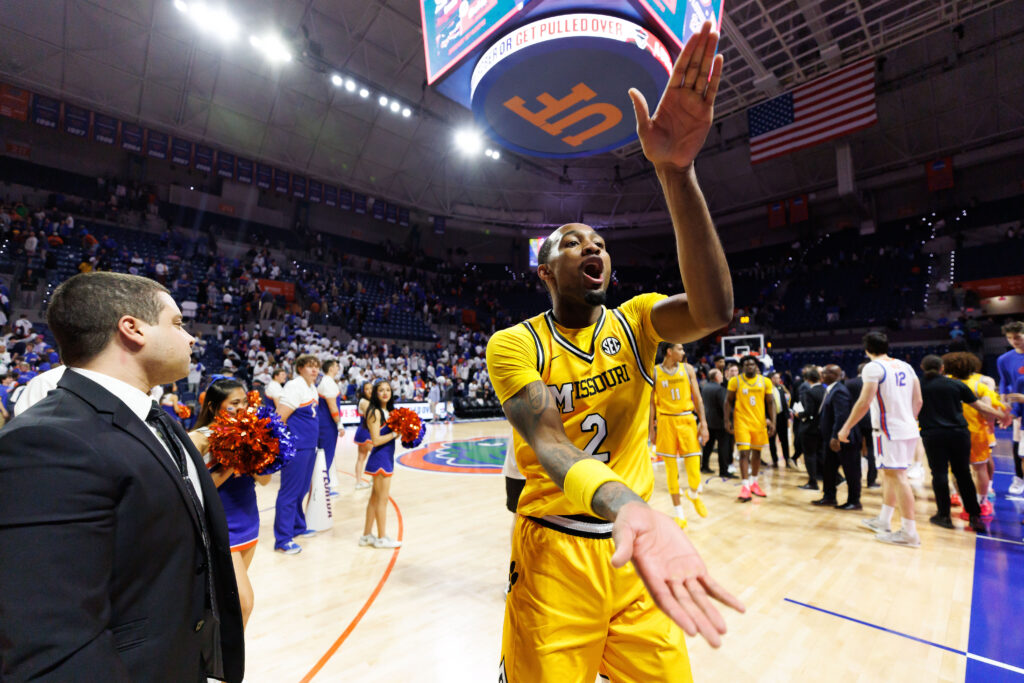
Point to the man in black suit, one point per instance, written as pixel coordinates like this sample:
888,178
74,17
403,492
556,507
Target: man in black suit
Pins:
835,410
714,394
866,445
781,419
114,559
811,396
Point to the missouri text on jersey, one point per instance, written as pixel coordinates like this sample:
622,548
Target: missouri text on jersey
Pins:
588,386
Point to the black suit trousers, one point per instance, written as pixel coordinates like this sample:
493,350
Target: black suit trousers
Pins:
950,449
849,458
724,440
782,431
811,439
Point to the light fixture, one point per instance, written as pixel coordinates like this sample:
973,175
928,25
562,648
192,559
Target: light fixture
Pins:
336,80
395,106
468,140
212,20
407,112
180,5
350,85
383,101
272,47
363,92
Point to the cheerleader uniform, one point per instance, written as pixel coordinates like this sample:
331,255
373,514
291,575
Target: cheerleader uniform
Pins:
328,436
362,431
290,519
238,497
382,458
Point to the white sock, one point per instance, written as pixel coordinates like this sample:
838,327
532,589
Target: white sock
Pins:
886,514
679,511
910,527
746,482
981,499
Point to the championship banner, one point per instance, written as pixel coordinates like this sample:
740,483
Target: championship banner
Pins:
940,174
392,213
403,217
299,186
226,165
131,137
244,170
156,144
264,176
330,195
360,203
798,209
18,150
277,287
345,200
45,111
14,102
316,191
439,224
202,159
76,121
378,209
104,129
282,181
181,152
776,215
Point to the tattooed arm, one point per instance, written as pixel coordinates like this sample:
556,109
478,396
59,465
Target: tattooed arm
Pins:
533,414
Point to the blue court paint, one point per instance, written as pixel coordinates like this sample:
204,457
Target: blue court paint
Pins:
997,599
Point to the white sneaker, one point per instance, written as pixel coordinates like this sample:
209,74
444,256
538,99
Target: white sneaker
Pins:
915,471
876,525
900,537
368,539
385,542
1017,487
362,485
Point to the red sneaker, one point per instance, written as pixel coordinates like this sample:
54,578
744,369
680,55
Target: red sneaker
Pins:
964,516
954,500
987,510
744,495
756,490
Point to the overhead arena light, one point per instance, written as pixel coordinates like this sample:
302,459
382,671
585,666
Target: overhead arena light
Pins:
468,140
395,106
407,112
215,21
336,80
180,5
382,101
350,85
272,47
364,93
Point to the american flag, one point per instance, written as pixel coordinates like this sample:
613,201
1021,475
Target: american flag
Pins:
824,109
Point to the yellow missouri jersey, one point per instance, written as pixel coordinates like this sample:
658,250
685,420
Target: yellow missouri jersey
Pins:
976,422
672,390
750,395
600,377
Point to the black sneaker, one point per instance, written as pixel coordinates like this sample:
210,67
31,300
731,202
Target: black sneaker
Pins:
943,521
977,525
809,487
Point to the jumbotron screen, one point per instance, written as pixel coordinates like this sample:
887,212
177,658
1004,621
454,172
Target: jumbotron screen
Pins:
535,250
452,28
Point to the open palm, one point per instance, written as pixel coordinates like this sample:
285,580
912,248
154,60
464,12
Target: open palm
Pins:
676,132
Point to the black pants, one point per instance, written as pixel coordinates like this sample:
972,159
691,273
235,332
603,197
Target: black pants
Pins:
724,440
849,457
782,430
811,439
950,449
869,444
798,432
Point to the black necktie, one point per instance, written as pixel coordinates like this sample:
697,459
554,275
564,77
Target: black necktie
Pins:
161,421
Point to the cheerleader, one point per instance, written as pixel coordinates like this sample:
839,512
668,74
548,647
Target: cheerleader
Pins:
380,465
328,413
237,492
362,438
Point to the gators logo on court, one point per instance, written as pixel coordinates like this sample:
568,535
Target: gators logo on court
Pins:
482,455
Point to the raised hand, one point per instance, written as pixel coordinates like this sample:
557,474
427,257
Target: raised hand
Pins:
676,132
672,570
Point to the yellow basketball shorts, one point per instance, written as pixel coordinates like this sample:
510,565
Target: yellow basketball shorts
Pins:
749,438
570,615
981,451
677,435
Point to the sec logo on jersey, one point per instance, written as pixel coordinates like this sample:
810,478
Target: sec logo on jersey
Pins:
482,455
611,346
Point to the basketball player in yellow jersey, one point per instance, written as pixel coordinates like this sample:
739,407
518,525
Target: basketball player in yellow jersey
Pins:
745,408
597,576
676,410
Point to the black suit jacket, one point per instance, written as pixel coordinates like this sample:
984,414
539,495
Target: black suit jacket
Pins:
835,411
811,398
102,569
856,385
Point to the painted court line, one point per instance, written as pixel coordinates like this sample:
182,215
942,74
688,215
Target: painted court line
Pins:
1001,540
986,660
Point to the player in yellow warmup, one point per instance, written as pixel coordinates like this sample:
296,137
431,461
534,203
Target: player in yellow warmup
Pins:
597,577
745,417
678,426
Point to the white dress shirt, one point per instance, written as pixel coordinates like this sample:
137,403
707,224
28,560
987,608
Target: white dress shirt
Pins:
140,403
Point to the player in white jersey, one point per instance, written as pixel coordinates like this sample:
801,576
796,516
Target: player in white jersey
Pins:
892,392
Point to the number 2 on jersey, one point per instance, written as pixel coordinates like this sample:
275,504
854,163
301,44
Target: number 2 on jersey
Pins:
901,379
595,423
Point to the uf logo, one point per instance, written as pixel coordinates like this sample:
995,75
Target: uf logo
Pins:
609,113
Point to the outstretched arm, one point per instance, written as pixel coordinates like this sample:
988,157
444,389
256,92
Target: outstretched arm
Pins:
671,139
664,557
